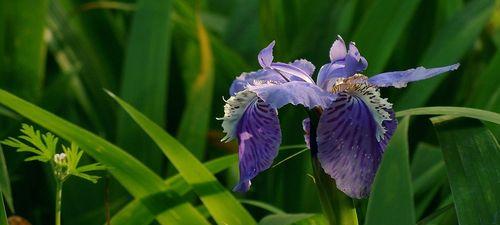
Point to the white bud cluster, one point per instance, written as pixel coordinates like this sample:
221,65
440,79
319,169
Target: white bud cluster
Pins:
60,159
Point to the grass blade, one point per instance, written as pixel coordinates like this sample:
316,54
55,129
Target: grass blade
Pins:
145,74
296,219
450,44
5,182
194,125
453,111
24,74
220,203
379,17
393,177
471,154
135,213
3,214
134,176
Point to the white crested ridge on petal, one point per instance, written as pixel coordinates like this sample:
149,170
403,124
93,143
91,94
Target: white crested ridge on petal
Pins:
233,111
378,107
358,87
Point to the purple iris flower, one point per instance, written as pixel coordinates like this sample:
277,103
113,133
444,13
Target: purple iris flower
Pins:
354,127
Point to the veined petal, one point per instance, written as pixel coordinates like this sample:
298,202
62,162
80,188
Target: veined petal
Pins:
399,79
263,75
294,92
256,126
348,148
338,51
292,72
351,64
306,126
265,56
304,65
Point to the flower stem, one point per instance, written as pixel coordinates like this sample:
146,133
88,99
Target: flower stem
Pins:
338,208
58,202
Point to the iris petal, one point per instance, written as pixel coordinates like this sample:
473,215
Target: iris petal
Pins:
350,64
348,148
399,79
265,56
256,126
240,83
338,51
294,92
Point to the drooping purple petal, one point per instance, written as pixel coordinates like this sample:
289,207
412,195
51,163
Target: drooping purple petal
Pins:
306,126
338,51
256,126
265,56
294,92
259,137
263,75
350,64
399,79
348,149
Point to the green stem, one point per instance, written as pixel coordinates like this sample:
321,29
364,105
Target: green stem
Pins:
338,208
58,202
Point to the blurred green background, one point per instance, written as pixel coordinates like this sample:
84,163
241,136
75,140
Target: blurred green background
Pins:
174,59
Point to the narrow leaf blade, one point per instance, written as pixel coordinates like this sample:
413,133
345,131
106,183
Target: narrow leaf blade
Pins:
391,200
471,155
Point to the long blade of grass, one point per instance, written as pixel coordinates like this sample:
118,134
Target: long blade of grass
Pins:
449,45
24,74
453,111
136,214
295,219
485,95
471,154
393,177
3,214
134,176
220,203
145,74
194,125
5,182
380,16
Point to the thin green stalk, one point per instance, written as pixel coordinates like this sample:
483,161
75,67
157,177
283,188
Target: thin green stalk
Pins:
338,208
58,201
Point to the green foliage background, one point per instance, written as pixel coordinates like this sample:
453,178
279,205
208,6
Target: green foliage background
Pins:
173,60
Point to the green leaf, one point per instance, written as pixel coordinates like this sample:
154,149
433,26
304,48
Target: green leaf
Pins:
145,77
135,213
453,111
3,214
391,199
134,176
43,146
220,203
471,154
5,182
296,219
194,125
25,60
380,16
485,95
262,205
449,45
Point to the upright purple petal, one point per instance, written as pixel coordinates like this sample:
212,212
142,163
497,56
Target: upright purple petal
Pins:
294,92
291,72
304,65
350,64
354,61
338,51
399,79
349,146
266,55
